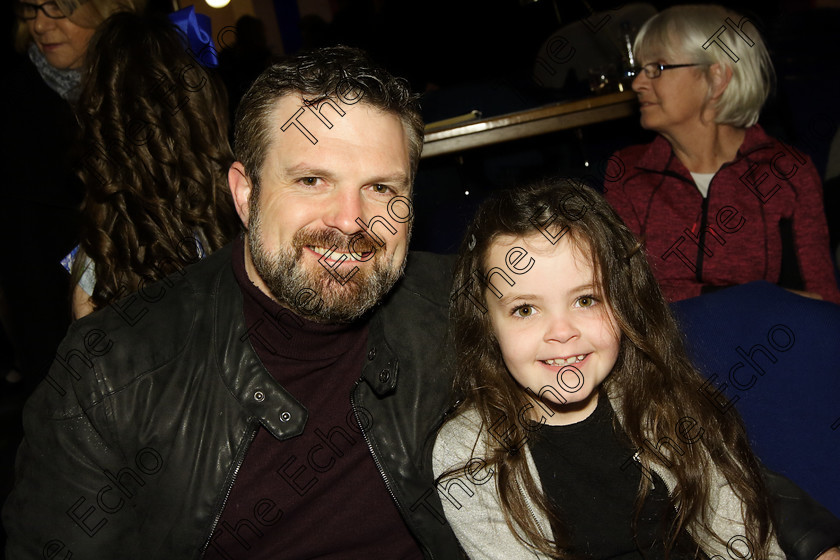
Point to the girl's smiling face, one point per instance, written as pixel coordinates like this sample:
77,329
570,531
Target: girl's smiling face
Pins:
559,339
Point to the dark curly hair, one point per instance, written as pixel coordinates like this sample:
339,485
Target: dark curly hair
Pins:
653,376
342,73
155,156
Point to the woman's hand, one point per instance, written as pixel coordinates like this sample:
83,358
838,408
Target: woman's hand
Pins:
82,304
811,295
830,554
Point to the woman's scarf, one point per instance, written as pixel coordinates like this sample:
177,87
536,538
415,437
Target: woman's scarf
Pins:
64,82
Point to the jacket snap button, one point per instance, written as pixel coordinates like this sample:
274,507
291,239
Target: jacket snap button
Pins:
285,416
384,375
372,353
259,396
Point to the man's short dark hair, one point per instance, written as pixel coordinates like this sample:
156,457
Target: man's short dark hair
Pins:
342,73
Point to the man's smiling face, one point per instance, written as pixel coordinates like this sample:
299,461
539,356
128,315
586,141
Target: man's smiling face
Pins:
310,197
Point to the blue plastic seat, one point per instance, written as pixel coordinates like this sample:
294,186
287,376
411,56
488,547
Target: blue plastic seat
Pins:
775,356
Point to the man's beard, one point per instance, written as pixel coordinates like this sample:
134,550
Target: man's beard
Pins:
318,295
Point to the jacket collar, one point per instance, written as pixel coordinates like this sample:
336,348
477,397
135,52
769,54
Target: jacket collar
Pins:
382,366
659,157
247,379
239,367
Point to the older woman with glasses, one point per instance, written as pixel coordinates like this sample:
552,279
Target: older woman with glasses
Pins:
39,212
55,36
717,201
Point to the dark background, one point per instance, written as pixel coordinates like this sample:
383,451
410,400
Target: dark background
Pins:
479,54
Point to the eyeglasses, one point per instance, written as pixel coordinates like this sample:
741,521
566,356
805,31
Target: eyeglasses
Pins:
25,10
653,70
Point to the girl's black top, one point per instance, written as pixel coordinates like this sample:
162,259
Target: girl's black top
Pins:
588,472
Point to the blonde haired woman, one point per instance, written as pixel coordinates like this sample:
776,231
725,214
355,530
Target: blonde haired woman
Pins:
717,201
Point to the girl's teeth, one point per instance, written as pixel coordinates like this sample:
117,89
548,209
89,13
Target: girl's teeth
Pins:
565,362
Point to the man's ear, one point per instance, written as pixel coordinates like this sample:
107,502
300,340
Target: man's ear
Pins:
720,77
240,188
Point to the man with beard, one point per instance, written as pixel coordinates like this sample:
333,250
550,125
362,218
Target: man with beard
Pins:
278,399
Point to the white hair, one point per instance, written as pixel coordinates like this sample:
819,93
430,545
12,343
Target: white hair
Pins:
711,34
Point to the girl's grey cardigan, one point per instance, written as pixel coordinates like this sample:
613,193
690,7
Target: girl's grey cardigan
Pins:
470,499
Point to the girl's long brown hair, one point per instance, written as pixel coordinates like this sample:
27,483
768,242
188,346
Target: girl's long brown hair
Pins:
653,377
155,156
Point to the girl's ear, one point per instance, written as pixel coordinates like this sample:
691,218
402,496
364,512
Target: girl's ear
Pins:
720,76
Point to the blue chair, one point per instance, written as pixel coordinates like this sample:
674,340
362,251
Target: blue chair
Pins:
775,356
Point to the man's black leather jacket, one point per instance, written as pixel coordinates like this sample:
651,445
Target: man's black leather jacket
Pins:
133,442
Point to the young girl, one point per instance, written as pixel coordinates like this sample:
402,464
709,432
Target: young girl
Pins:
154,135
582,432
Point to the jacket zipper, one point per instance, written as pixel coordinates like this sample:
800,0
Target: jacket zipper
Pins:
704,217
537,523
426,552
669,490
528,504
239,460
530,509
702,238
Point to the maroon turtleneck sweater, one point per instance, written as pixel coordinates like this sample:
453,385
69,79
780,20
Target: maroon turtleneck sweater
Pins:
318,495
